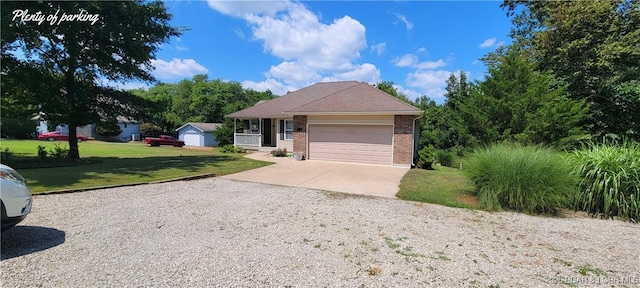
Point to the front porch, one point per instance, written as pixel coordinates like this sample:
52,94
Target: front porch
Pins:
255,133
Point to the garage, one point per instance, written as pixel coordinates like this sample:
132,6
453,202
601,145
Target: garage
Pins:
198,134
351,143
192,139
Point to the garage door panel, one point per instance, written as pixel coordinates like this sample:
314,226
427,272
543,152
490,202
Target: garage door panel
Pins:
192,139
352,143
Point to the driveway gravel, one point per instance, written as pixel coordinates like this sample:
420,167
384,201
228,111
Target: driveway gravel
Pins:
225,233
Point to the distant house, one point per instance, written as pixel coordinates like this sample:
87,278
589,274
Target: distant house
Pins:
198,134
43,127
129,128
333,121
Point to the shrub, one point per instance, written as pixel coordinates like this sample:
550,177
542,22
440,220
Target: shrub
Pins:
42,153
528,179
6,155
229,148
59,153
426,157
150,130
445,158
224,134
280,152
108,129
610,179
18,128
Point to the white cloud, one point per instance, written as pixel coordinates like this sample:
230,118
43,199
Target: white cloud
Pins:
431,64
411,94
311,49
430,82
404,19
273,85
244,8
293,73
379,48
407,60
366,73
181,48
303,39
176,68
411,60
490,42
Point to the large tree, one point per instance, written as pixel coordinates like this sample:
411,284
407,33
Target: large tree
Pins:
63,65
593,46
517,103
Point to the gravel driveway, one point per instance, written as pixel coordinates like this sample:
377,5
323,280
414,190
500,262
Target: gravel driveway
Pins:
219,232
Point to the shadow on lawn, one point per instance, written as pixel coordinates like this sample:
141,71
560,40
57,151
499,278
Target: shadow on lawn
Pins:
141,168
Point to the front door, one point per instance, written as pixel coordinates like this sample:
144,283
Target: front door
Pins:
266,132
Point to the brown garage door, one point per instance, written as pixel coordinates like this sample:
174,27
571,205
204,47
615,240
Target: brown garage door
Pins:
351,143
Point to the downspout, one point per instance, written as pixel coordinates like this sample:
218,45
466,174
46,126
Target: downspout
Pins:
413,143
234,131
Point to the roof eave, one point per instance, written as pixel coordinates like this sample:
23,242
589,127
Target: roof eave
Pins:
190,124
410,112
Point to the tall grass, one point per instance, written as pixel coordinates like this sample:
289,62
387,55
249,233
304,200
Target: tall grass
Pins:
610,179
445,158
528,179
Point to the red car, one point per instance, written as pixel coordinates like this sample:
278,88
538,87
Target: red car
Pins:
163,140
60,135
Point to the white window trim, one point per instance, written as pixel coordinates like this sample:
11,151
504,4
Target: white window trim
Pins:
286,130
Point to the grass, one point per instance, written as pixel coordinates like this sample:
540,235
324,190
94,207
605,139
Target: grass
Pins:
587,269
610,179
444,186
107,163
529,179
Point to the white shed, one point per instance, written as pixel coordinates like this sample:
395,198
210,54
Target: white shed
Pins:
198,134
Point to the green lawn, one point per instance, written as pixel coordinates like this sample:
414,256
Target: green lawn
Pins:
109,163
443,186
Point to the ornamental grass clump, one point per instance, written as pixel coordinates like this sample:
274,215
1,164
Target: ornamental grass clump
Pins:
610,179
529,179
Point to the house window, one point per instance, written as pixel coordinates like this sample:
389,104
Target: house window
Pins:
288,129
125,125
251,126
255,126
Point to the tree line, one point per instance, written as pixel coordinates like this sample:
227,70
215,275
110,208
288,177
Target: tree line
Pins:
571,73
196,100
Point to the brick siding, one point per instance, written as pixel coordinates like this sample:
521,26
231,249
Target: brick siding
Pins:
402,139
300,134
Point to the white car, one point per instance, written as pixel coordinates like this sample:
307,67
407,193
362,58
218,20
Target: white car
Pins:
15,197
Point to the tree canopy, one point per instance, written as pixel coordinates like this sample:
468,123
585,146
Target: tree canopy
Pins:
197,100
592,46
61,67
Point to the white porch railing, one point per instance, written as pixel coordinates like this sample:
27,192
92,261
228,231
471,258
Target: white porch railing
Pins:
247,140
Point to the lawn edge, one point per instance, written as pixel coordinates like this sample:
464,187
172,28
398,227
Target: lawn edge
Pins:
74,190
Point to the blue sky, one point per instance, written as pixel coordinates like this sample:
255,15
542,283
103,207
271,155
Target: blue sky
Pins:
284,46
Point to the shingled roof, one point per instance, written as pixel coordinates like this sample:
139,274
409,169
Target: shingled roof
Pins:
349,97
203,127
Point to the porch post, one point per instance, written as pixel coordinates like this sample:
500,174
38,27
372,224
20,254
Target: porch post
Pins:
234,131
259,132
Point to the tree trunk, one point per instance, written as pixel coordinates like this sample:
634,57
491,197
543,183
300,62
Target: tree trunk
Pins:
74,153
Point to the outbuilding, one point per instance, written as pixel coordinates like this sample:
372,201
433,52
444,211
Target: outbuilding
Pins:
198,134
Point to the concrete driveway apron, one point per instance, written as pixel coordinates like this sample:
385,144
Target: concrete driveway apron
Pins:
364,179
